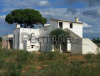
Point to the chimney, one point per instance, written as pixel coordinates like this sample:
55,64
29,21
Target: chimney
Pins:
76,19
18,26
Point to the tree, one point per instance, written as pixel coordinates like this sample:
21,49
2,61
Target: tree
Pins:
25,17
59,36
98,40
58,33
0,39
93,39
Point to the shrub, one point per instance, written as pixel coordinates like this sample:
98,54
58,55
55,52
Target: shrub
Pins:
5,53
42,56
0,39
88,57
51,55
64,57
11,69
31,58
22,56
98,56
1,63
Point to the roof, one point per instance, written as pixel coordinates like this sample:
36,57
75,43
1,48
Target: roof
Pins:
66,21
8,35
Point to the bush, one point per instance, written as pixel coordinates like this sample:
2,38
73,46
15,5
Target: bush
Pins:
65,57
51,55
11,69
98,56
32,57
0,39
42,56
22,56
5,53
88,57
1,63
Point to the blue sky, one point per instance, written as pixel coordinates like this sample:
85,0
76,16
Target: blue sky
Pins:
88,12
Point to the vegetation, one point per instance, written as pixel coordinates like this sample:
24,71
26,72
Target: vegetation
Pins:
59,35
59,32
25,17
96,40
23,63
0,39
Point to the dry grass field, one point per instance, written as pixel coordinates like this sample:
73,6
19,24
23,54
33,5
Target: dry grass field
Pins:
0,44
23,63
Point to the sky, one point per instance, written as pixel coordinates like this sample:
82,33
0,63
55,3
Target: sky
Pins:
88,12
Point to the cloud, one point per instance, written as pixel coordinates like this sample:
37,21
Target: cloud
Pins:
19,4
93,13
44,3
72,10
85,25
4,27
8,9
90,3
91,31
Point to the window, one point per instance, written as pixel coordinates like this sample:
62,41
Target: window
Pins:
32,46
71,25
60,24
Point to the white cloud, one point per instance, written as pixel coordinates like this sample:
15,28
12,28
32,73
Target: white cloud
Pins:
85,25
8,9
18,4
91,31
2,17
44,3
4,27
89,3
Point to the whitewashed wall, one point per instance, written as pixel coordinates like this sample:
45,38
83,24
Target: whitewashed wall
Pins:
16,38
89,47
77,28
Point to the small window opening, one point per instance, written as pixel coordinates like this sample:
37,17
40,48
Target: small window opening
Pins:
60,24
32,46
71,25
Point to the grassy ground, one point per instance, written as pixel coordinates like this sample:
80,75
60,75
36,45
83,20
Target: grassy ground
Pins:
23,63
0,44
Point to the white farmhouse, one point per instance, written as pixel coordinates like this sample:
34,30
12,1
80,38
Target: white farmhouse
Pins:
38,39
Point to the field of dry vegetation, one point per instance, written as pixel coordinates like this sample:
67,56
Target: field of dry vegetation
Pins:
23,63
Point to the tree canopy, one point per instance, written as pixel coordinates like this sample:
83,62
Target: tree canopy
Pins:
96,40
0,39
25,17
59,32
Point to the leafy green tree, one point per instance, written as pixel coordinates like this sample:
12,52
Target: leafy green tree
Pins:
57,33
94,39
59,37
98,40
0,39
25,17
